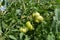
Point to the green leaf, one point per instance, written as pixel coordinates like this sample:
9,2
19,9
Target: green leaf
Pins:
2,38
50,37
57,18
12,37
57,13
26,37
58,1
21,35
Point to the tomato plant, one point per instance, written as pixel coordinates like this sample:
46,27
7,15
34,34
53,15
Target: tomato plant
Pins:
29,20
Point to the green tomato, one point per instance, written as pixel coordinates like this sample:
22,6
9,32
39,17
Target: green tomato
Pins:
35,14
29,25
39,19
23,30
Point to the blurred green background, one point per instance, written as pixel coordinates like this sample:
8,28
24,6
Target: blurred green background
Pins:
15,13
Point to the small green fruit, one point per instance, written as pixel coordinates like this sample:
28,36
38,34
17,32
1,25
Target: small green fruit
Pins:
35,14
39,19
29,25
23,30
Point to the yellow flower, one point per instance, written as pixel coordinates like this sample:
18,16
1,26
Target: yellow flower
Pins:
23,30
29,25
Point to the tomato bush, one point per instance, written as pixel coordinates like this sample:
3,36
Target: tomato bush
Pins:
29,20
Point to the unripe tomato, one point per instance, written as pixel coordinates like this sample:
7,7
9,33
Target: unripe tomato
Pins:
29,25
35,14
39,19
24,30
